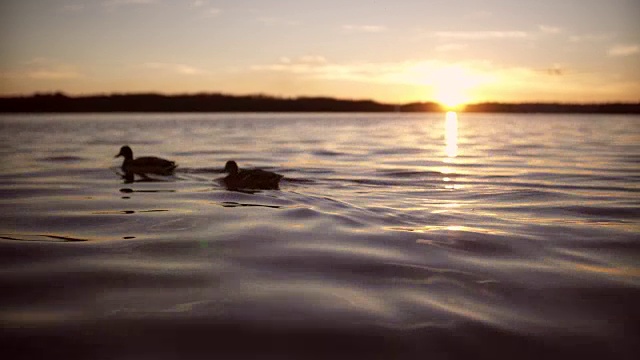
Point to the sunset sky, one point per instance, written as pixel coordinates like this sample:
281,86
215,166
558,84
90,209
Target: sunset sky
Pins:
449,51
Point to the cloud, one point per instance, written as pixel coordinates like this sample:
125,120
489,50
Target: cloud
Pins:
479,14
213,12
44,69
624,50
308,64
590,37
128,2
364,28
49,69
204,8
54,74
477,80
555,70
312,59
481,35
547,29
73,7
175,68
411,72
450,47
530,84
271,21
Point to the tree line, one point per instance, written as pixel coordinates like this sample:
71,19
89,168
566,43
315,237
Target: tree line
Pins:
216,102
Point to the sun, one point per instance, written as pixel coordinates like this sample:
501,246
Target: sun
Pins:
451,97
451,86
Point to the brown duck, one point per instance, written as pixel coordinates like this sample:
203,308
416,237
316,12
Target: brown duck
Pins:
250,179
145,164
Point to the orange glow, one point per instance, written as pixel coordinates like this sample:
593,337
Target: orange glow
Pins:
605,270
452,86
450,97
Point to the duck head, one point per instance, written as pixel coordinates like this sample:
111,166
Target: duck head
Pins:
231,167
126,152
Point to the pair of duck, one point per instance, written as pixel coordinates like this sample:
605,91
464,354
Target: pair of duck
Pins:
237,179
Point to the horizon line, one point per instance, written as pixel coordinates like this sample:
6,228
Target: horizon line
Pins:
302,97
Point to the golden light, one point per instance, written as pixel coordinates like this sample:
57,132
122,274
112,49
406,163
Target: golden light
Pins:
451,134
450,98
452,86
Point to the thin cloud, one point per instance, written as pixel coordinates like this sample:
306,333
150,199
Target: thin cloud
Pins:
203,9
44,69
40,61
199,3
73,7
481,35
312,59
175,68
624,50
364,28
414,72
590,37
555,70
547,29
112,3
52,74
536,85
202,6
479,80
212,12
272,21
308,64
480,14
450,47
49,75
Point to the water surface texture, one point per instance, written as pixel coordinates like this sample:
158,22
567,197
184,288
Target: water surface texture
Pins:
393,236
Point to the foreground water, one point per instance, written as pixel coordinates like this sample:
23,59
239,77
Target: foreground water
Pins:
392,236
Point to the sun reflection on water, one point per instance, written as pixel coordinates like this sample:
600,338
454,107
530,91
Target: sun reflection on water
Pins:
451,134
451,149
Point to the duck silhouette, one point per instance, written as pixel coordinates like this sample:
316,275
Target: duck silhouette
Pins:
145,164
250,179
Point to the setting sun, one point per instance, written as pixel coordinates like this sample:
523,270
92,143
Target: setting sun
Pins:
452,86
450,97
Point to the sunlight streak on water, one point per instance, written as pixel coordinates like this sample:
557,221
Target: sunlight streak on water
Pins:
451,134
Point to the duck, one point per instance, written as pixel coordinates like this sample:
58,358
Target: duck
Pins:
250,179
145,164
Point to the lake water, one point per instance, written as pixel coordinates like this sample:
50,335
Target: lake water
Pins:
393,236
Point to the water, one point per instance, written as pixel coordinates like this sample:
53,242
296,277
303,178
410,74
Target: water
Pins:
393,236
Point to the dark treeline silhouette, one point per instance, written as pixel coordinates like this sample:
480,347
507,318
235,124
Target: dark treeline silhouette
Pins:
215,102
59,102
602,108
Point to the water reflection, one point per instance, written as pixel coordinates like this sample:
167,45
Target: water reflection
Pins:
39,237
451,134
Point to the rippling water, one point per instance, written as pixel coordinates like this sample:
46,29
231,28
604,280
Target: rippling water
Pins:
392,236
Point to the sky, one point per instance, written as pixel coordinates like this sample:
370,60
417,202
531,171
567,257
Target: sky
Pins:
393,51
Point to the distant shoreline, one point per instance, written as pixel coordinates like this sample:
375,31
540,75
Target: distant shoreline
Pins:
215,102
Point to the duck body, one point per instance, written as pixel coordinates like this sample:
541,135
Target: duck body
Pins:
145,164
250,179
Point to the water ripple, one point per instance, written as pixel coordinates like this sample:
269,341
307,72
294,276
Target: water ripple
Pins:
524,238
